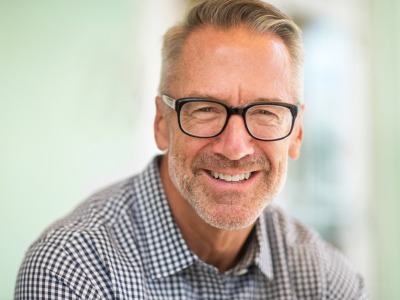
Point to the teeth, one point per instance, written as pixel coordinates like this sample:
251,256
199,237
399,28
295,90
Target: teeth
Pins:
227,177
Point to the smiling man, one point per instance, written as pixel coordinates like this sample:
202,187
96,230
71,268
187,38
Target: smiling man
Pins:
228,145
199,222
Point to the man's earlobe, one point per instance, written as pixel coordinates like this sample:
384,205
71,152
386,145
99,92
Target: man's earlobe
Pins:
295,146
161,126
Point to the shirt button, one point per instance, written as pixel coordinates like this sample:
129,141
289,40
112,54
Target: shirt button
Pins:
241,272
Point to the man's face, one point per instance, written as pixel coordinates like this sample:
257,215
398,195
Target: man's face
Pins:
236,67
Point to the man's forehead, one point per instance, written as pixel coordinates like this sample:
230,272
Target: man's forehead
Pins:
233,64
212,36
237,43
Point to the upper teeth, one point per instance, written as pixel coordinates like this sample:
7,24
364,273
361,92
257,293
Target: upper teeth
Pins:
227,177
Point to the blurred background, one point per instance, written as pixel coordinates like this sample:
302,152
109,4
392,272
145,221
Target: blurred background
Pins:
77,88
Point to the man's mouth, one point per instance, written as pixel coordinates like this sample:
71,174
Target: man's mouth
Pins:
231,178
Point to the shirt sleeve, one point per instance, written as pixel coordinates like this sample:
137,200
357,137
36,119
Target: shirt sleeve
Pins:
50,272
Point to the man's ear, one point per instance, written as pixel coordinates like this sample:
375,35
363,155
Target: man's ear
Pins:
297,136
161,126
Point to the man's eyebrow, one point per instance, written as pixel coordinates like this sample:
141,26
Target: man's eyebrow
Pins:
200,95
268,100
208,96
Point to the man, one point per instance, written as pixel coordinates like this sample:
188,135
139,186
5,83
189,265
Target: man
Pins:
198,223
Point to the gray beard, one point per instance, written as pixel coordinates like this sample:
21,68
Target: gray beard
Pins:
197,196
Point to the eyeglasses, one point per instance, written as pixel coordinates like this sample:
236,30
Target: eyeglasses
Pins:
202,118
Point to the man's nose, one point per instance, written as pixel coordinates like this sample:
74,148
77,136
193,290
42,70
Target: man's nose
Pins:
234,142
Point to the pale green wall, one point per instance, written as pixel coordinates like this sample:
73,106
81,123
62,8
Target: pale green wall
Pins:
385,124
68,79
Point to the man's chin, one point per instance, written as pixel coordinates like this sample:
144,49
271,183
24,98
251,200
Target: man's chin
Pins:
228,216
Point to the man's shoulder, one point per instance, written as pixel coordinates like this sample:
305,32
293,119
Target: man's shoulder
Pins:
295,236
293,232
103,208
95,223
311,260
86,249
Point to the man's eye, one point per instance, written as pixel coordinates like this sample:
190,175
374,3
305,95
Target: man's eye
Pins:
265,112
209,109
205,109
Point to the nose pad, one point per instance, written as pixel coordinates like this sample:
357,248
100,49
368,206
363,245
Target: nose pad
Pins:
234,142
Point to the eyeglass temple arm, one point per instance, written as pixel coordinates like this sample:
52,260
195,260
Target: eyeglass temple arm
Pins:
169,101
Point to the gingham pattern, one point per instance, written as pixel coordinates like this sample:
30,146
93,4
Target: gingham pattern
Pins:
123,243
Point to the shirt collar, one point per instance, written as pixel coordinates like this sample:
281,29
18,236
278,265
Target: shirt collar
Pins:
162,248
257,251
263,258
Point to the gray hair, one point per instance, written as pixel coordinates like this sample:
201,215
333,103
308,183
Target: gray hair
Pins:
258,16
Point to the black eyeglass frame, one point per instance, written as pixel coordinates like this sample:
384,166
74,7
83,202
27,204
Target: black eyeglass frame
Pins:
177,105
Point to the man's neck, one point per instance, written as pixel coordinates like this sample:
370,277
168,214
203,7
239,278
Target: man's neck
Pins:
220,248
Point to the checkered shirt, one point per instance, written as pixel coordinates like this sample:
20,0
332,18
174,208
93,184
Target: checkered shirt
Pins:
123,243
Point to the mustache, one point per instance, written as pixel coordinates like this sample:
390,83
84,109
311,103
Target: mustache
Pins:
216,161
